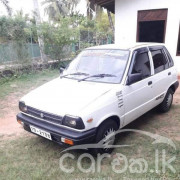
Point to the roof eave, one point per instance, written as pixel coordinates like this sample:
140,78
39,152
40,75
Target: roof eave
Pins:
107,4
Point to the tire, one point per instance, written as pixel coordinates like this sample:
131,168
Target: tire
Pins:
165,106
104,131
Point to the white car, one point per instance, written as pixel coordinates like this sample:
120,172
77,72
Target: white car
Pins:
102,90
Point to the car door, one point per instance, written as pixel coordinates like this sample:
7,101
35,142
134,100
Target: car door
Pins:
162,78
138,95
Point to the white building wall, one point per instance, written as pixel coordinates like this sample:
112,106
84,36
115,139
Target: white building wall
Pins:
126,13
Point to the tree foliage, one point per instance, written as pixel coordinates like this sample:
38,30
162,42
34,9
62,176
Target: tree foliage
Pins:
14,28
59,37
16,32
57,8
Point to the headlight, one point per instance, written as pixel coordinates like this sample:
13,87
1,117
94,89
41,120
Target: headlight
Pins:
73,122
22,106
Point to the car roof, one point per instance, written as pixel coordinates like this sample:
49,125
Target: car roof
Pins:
125,47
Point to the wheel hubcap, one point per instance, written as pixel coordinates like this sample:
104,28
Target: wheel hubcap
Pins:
109,138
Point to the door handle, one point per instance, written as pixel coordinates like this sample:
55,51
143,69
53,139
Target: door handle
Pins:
149,83
169,73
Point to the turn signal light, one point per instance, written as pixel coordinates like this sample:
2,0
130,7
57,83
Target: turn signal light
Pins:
67,141
90,120
20,122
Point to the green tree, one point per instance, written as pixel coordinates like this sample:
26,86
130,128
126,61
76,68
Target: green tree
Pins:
96,31
57,8
13,28
13,32
104,31
93,8
58,38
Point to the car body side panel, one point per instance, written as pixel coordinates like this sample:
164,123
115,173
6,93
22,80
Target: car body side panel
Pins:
112,104
138,99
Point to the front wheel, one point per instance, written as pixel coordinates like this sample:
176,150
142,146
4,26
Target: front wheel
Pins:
106,136
167,102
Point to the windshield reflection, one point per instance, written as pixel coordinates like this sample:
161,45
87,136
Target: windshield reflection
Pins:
94,62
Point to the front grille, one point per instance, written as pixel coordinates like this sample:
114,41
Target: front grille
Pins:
44,115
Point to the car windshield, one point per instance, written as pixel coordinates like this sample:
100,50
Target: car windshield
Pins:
98,65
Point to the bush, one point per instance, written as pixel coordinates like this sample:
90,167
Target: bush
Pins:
58,38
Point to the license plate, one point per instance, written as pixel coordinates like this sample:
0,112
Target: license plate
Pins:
40,132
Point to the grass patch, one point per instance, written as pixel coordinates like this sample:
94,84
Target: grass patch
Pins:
25,82
37,158
12,89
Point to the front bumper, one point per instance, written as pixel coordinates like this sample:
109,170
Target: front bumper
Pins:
57,132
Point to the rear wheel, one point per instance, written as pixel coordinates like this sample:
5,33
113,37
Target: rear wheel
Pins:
167,102
106,136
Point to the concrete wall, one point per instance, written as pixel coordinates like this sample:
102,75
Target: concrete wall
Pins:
126,13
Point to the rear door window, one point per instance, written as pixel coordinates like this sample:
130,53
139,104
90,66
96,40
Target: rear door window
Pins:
160,61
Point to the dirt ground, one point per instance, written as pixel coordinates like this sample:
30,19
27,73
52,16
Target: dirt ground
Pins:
9,128
8,124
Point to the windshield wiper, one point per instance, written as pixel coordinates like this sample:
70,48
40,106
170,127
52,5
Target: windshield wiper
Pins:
75,74
98,76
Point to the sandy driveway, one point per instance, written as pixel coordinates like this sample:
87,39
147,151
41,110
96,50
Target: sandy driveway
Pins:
8,124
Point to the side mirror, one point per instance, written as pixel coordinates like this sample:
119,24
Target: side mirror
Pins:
132,78
61,70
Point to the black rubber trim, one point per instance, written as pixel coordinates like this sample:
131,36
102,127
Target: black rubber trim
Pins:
155,48
142,50
176,85
57,132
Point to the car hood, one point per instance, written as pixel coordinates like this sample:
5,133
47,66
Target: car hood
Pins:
65,96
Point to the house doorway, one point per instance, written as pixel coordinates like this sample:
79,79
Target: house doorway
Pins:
152,26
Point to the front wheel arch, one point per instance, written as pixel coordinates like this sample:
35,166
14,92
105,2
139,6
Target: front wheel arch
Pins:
114,118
